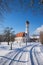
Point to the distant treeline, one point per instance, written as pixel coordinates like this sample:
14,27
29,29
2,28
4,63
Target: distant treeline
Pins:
4,38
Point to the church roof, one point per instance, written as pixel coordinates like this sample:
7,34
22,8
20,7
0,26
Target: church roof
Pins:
21,34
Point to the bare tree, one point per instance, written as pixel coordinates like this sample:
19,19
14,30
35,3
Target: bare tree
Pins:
41,37
12,39
9,34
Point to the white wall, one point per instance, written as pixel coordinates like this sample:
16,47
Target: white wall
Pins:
20,39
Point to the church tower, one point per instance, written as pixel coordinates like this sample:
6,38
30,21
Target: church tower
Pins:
27,31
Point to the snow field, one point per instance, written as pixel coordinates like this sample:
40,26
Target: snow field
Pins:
21,54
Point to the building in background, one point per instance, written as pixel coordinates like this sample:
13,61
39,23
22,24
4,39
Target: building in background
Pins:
34,38
20,37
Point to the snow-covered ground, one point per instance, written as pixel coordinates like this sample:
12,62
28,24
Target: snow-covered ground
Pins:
32,54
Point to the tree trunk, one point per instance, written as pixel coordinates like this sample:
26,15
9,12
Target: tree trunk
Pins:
0,43
8,43
11,46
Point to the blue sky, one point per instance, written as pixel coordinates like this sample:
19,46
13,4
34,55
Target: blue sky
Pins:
17,19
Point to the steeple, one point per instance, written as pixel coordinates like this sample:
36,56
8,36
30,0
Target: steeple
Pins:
27,27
